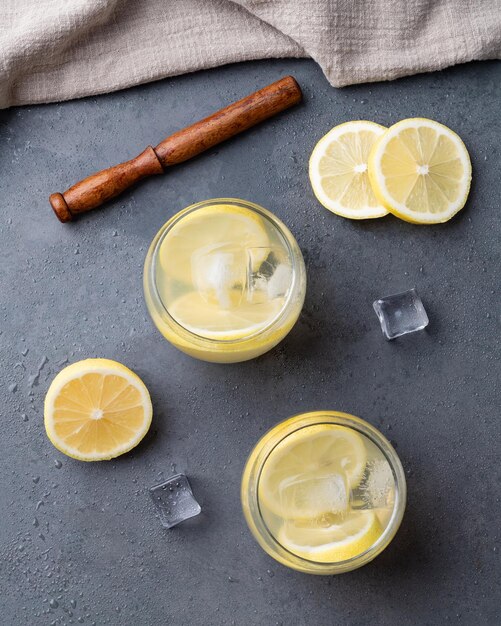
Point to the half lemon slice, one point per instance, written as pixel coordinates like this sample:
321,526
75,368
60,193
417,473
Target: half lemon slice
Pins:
315,452
213,322
207,228
338,542
338,170
96,410
420,170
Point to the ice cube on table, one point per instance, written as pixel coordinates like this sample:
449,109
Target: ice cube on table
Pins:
174,501
314,497
400,314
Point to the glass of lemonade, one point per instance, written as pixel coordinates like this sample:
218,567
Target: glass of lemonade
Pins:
323,492
224,280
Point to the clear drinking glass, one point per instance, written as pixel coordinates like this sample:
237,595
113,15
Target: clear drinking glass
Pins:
224,280
323,492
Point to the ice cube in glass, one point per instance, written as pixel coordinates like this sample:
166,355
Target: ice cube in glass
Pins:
315,497
219,273
377,487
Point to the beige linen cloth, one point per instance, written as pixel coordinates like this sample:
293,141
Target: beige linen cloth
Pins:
59,49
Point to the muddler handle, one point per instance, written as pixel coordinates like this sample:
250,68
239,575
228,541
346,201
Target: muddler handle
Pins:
181,146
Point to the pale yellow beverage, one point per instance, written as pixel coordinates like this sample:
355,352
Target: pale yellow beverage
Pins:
224,280
323,492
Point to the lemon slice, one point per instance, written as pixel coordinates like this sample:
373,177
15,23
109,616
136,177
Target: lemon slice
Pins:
355,534
213,322
96,410
338,170
207,228
314,452
421,171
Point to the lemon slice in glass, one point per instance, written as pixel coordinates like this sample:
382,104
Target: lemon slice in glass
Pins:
209,320
338,170
420,170
313,452
207,228
96,410
341,541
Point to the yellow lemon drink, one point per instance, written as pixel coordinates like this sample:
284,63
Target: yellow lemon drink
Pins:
224,280
323,492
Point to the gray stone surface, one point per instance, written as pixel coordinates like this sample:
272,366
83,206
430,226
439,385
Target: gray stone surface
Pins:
80,542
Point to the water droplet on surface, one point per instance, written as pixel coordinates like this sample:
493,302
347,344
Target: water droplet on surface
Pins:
34,378
53,603
13,387
58,463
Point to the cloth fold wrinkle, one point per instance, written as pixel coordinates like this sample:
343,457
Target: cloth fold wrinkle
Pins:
53,50
356,42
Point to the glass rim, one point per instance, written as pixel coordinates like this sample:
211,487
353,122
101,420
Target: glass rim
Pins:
289,241
312,418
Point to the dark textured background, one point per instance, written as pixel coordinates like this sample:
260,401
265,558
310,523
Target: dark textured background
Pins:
80,543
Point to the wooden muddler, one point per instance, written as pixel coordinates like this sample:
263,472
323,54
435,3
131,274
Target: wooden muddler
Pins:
181,146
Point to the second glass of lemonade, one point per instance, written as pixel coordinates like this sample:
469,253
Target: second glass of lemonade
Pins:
224,280
323,492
